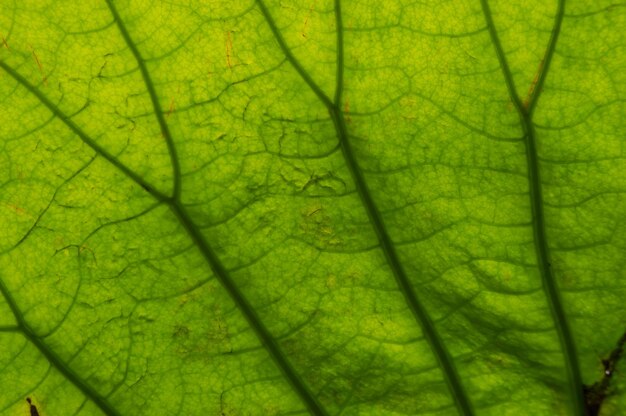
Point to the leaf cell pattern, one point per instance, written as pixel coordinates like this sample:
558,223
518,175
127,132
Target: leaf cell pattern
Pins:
318,207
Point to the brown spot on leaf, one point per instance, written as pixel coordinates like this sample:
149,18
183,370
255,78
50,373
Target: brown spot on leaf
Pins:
596,393
229,49
43,75
33,408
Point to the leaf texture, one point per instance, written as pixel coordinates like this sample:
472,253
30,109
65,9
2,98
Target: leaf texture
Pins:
318,207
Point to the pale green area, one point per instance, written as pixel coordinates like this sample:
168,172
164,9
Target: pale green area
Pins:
207,208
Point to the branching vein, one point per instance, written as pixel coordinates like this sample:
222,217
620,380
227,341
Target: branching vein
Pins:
205,249
534,180
156,106
335,109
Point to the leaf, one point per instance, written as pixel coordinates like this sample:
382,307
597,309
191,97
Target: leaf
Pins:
329,208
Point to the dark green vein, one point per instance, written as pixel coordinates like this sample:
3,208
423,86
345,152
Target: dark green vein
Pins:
165,131
547,58
504,65
10,328
292,59
99,400
218,269
221,273
223,276
536,199
402,280
82,135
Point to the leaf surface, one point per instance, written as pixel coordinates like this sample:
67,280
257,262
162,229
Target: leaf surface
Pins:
317,207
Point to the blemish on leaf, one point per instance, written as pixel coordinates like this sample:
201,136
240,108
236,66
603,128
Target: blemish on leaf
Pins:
33,408
17,209
106,57
229,49
43,75
331,282
4,42
306,22
181,331
170,109
83,248
326,183
172,106
596,393
319,228
533,85
315,211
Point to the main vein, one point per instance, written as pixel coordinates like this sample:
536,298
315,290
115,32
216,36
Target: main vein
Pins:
334,107
270,343
536,199
419,312
222,275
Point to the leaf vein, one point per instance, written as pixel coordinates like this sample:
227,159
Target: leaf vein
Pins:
221,273
542,250
56,361
165,131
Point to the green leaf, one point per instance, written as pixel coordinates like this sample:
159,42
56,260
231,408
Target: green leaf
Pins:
317,207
